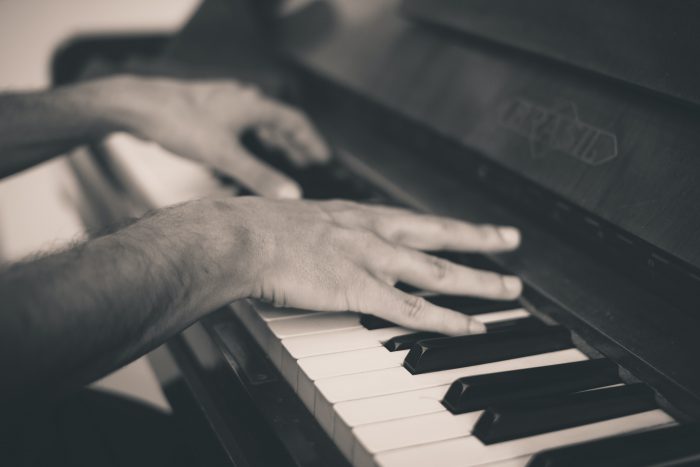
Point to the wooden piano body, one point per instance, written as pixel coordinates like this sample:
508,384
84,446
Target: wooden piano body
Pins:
598,174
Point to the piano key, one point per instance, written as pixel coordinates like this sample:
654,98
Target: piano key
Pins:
502,315
514,324
372,322
469,451
361,412
500,320
455,352
338,341
515,462
314,324
345,363
269,312
331,391
666,446
472,305
478,392
406,341
534,416
269,334
406,432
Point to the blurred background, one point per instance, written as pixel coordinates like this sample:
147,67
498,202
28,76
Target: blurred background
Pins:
38,206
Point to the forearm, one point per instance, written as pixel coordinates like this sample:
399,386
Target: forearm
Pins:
35,126
71,317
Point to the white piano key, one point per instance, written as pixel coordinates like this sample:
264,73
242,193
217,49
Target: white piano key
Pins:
315,323
502,315
158,177
407,432
395,380
515,462
270,333
328,343
269,312
360,412
469,451
344,363
340,341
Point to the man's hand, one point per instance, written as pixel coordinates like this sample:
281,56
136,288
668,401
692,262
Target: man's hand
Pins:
203,121
200,120
73,316
340,255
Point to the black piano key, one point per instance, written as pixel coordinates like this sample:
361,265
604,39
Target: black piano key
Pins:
472,305
472,260
479,392
455,352
406,341
514,324
675,446
374,322
535,416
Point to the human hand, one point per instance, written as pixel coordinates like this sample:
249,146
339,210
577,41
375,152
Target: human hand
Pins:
203,121
340,255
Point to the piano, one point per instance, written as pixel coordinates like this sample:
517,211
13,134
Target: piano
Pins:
577,123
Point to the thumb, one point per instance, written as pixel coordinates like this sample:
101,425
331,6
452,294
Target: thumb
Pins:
257,176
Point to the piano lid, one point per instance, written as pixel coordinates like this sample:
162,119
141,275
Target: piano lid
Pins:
650,43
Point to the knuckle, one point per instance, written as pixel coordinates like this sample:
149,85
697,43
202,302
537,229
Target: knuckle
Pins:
440,268
414,307
368,242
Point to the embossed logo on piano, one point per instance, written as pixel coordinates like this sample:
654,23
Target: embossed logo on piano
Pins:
558,129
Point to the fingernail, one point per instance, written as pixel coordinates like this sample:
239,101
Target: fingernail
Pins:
509,235
288,191
476,326
513,284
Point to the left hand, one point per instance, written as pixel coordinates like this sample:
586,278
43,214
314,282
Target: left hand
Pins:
203,121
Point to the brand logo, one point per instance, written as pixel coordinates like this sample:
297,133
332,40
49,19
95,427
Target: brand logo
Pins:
558,129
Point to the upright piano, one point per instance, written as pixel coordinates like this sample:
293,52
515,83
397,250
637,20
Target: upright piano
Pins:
575,122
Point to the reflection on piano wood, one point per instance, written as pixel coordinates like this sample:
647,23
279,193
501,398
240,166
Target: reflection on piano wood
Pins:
591,354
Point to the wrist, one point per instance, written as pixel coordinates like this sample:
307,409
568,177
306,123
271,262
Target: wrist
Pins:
110,104
206,248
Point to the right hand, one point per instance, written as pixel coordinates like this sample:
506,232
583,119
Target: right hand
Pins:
341,255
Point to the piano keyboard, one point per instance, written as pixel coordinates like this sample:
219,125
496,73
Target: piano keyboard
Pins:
388,396
379,413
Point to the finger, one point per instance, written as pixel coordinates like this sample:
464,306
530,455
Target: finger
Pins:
427,232
257,176
295,126
435,274
415,312
273,140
